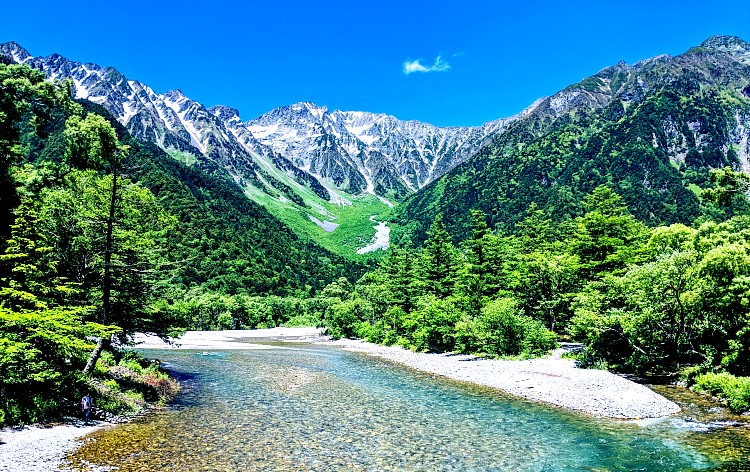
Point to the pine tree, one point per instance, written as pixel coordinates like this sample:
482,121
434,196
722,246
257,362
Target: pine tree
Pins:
439,260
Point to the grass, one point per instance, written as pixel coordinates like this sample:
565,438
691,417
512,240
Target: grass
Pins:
695,189
355,229
183,157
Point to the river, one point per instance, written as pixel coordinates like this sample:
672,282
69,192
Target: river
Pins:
311,407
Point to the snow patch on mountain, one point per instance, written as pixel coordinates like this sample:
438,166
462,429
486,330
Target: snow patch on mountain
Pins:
327,226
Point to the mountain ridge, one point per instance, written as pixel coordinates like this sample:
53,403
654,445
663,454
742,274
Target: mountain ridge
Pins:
306,156
376,153
651,131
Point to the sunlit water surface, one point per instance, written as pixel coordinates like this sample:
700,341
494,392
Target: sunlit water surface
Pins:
309,407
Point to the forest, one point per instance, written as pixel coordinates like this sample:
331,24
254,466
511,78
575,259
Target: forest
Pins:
104,236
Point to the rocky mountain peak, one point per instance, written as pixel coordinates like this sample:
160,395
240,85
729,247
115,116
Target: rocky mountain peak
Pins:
15,51
224,113
730,44
174,95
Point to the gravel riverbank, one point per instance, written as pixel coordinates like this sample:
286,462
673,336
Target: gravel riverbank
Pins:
551,380
42,448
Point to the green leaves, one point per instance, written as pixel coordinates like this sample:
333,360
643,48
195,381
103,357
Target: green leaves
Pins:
687,303
729,187
26,101
41,353
91,142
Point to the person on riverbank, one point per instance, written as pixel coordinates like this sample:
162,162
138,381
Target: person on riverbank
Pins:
86,404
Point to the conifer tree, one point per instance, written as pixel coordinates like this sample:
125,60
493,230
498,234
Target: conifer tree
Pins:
439,260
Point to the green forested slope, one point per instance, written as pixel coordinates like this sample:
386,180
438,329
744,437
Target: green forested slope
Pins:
222,240
651,133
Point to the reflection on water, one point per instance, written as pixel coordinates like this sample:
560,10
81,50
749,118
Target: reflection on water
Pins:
319,408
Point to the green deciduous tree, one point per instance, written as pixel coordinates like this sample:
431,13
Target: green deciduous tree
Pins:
26,102
730,187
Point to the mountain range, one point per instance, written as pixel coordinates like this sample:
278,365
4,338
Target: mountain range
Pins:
651,130
353,152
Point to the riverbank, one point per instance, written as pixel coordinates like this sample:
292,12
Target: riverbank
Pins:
42,447
229,339
551,380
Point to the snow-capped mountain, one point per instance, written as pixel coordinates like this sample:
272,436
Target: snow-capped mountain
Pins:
387,154
356,152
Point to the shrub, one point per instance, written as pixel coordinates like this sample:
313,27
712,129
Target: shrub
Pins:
132,365
136,397
537,340
343,318
302,319
105,362
505,332
371,333
689,374
735,390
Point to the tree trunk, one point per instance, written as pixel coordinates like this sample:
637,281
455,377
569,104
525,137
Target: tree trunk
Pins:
102,343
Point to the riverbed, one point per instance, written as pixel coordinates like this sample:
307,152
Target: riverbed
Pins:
317,407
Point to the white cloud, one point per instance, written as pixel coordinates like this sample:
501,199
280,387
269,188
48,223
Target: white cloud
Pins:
416,66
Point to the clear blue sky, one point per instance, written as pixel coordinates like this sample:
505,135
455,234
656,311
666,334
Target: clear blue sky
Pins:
477,60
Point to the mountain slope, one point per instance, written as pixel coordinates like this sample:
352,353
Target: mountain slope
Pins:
651,131
302,162
222,242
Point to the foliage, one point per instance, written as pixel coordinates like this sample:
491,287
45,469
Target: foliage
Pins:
735,390
642,300
41,353
654,153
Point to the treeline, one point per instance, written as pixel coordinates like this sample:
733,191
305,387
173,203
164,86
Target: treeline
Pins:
81,259
643,300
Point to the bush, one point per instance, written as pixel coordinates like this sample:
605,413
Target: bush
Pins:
505,332
343,318
302,320
537,340
136,397
371,333
689,374
131,364
105,362
467,335
735,390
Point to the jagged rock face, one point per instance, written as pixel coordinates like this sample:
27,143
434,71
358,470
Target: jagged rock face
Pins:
362,151
651,131
367,152
356,152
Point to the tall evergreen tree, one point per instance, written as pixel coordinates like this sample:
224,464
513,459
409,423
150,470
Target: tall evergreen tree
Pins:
606,237
439,260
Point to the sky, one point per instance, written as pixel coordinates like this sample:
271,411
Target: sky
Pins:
448,63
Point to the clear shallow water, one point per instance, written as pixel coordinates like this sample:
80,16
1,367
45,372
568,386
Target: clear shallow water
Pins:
319,408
